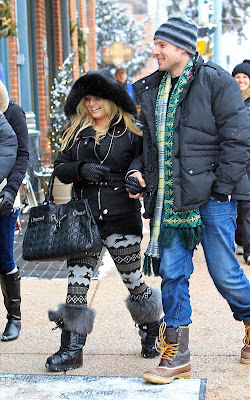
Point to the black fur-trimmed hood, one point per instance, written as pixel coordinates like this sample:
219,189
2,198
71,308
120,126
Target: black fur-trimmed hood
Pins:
100,84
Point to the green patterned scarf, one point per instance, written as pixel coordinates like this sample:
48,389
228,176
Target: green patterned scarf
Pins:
188,224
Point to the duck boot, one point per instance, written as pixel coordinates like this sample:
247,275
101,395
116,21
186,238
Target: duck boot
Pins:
10,285
76,323
175,360
245,351
146,314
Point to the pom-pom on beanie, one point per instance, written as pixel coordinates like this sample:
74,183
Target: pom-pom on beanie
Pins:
180,31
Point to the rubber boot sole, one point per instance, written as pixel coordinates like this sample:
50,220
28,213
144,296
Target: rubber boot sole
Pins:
161,380
245,360
59,368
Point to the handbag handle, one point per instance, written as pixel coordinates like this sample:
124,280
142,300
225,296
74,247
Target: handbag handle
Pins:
49,196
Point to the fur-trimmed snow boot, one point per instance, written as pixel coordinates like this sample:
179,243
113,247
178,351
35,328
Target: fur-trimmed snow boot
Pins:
76,323
10,285
175,360
146,313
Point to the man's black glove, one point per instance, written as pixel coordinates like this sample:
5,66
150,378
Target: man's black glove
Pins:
92,172
6,202
133,185
219,196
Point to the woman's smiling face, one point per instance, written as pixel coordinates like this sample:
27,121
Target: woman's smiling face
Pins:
95,107
243,81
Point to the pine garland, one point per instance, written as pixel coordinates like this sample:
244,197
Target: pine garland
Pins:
59,93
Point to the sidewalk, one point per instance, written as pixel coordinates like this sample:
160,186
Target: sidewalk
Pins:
113,348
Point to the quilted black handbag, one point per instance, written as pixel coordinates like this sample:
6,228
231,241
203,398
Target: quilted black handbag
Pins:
60,231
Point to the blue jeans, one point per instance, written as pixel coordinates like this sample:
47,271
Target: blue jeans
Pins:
176,267
7,232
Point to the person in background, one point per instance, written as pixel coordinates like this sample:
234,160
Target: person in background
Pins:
122,77
241,74
9,210
100,142
195,153
8,140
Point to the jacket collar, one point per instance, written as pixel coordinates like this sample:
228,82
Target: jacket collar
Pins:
148,82
198,61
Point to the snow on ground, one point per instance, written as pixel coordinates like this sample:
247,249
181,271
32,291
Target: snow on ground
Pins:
39,387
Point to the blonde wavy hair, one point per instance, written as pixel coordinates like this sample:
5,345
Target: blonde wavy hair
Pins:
82,119
246,93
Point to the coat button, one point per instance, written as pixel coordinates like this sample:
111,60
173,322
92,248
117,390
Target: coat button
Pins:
191,171
146,87
143,81
105,211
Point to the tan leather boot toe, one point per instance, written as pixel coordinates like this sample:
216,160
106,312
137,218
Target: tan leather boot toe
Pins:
245,351
166,374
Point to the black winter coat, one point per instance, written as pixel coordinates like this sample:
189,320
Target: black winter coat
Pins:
210,138
8,147
108,199
247,105
17,119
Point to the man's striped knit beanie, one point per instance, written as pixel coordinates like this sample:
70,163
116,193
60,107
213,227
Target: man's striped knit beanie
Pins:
180,31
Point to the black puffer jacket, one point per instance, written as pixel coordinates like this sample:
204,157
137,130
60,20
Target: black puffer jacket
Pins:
210,139
17,119
8,147
247,105
109,198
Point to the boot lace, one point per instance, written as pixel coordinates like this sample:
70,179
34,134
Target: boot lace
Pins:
246,339
168,349
59,324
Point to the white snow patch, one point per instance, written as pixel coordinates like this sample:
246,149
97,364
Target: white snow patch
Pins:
52,387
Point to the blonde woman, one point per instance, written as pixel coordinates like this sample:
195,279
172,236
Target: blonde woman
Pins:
98,146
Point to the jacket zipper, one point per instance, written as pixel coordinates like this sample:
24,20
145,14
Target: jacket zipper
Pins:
99,203
77,157
99,190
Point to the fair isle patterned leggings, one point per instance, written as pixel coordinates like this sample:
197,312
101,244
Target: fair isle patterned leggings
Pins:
125,252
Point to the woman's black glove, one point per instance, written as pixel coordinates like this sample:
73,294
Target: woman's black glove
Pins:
92,172
6,202
133,185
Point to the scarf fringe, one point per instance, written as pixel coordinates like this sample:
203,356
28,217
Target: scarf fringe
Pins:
191,237
151,263
166,236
